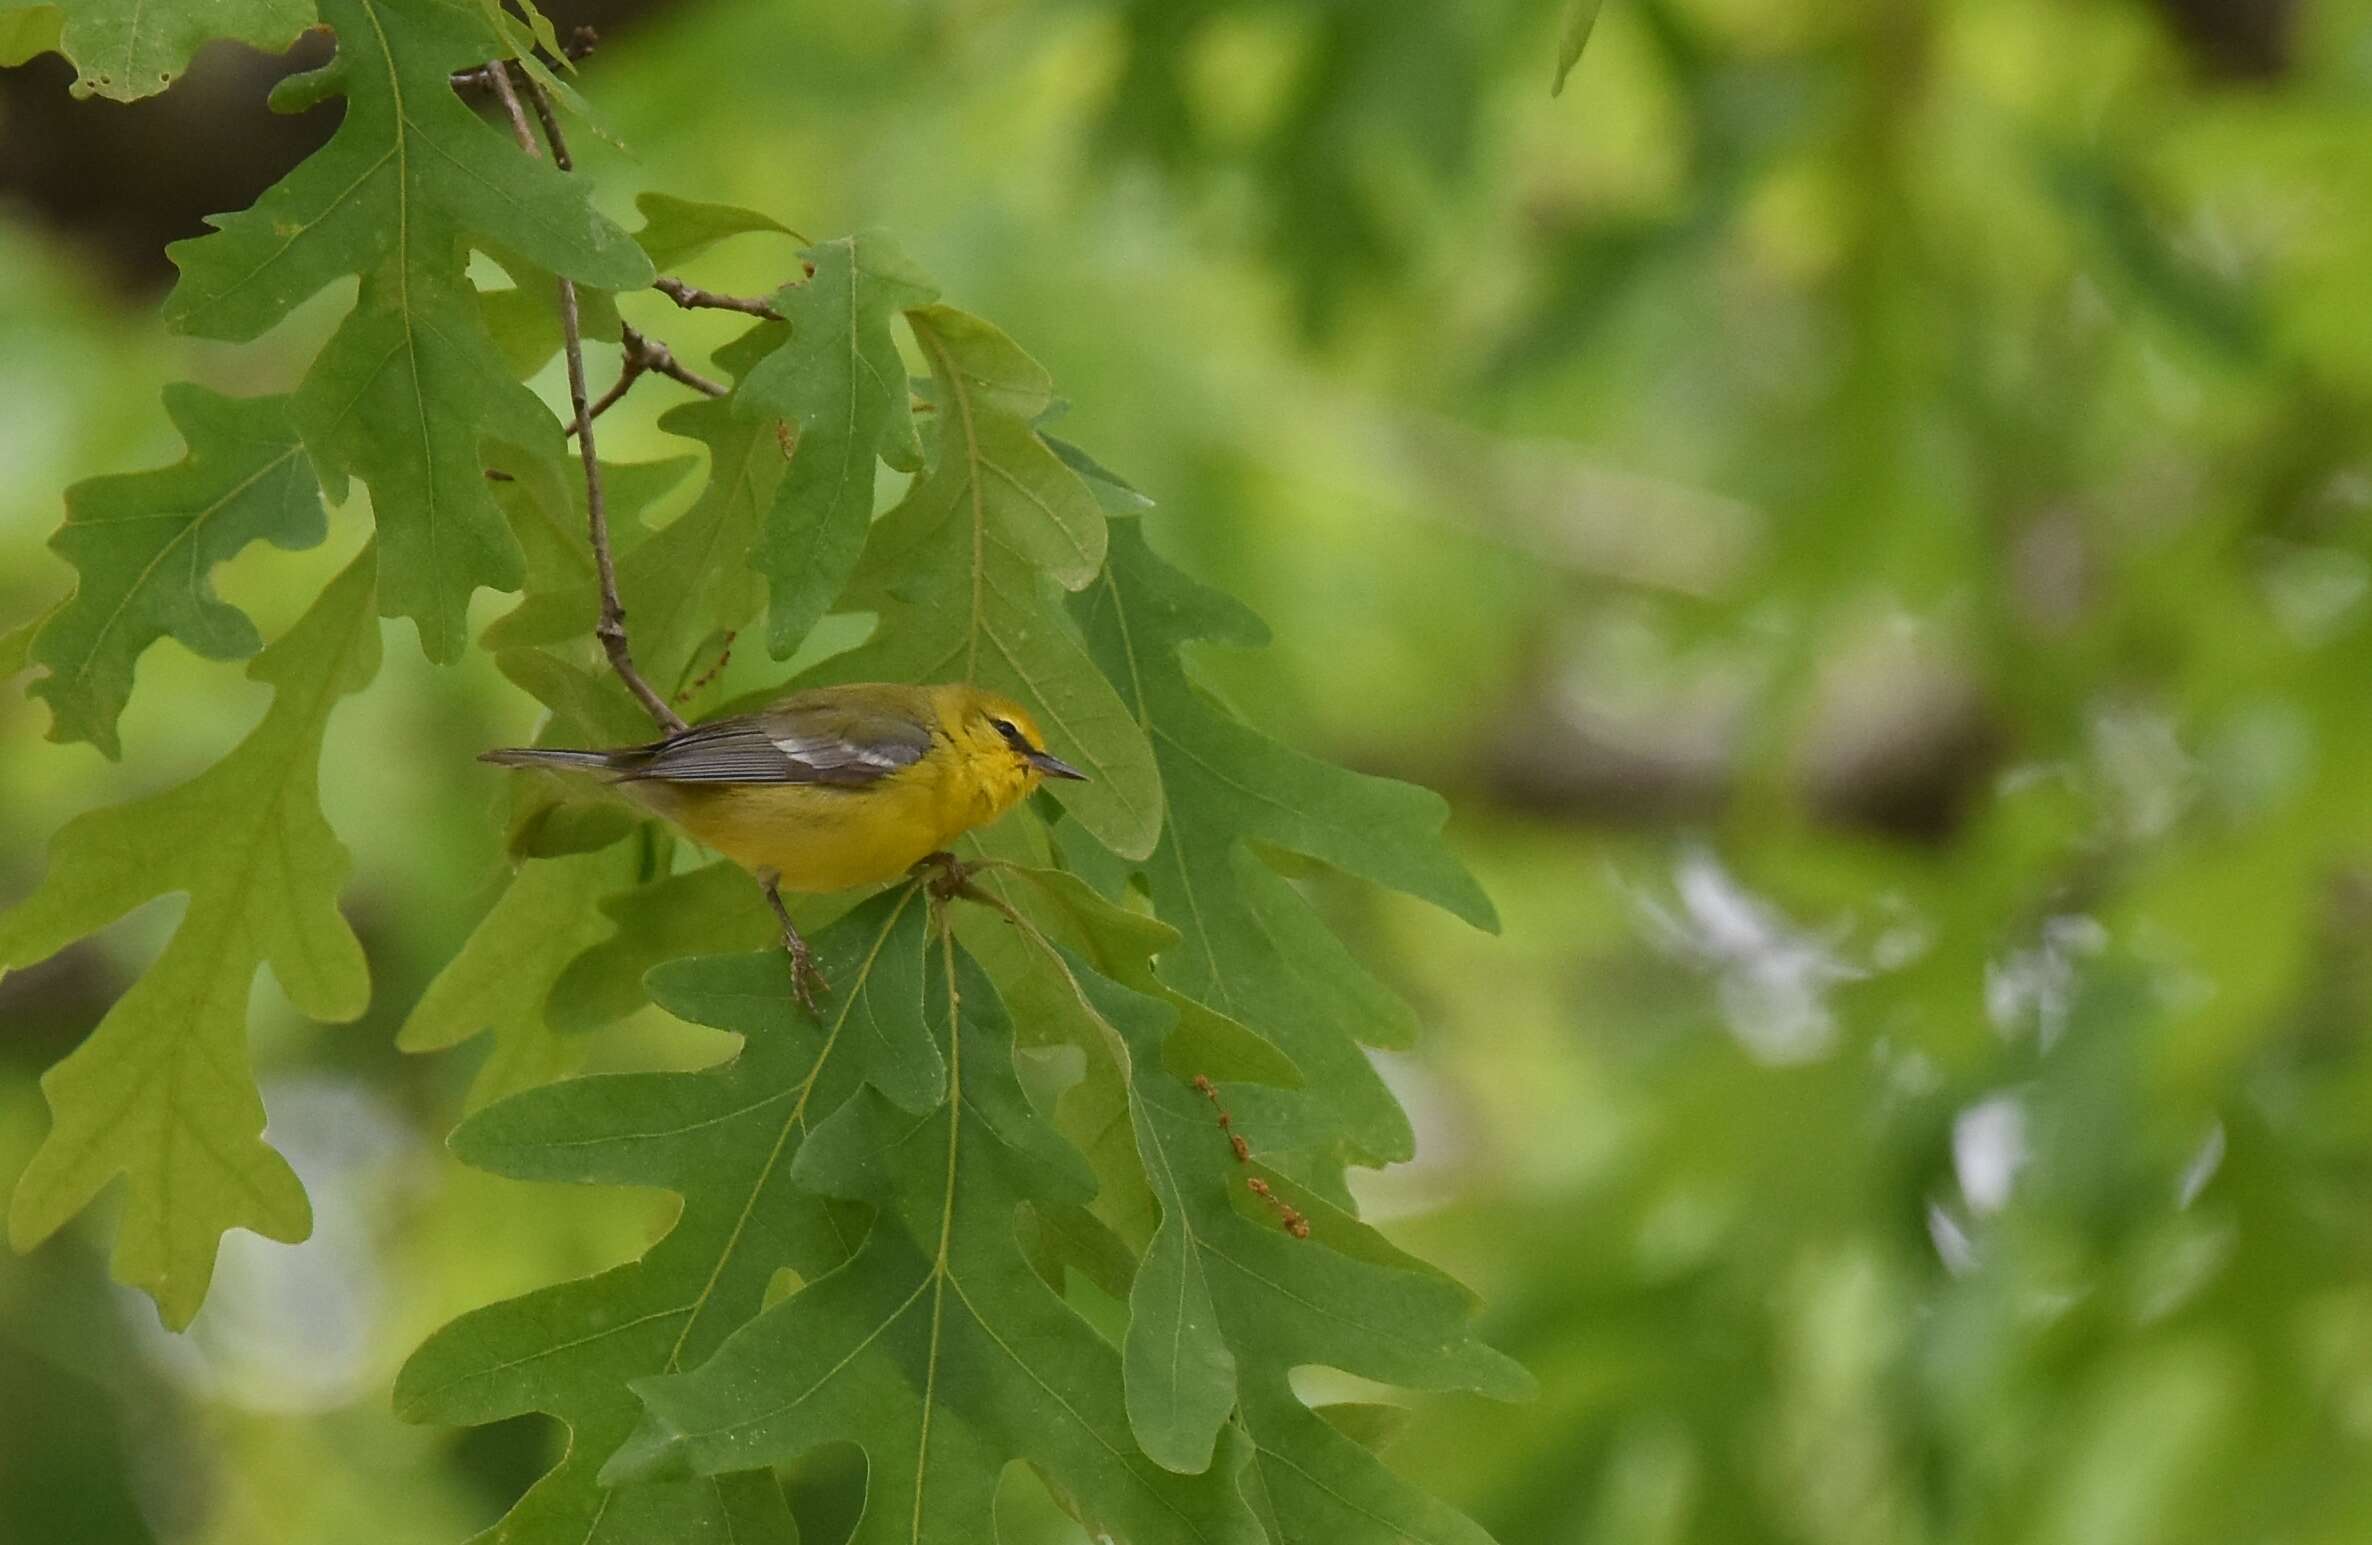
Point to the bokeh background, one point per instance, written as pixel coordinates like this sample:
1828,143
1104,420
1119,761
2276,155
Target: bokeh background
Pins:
1864,506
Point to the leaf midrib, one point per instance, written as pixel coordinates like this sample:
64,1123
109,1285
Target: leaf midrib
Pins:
782,1138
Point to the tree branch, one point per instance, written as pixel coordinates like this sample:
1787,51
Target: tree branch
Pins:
611,628
693,298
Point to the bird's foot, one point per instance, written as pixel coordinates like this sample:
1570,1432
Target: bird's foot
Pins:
807,978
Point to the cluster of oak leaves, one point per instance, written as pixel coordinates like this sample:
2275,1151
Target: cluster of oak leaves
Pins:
891,1213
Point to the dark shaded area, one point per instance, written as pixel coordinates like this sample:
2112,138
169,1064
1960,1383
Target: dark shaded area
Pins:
78,1408
126,178
502,1459
49,1006
2236,39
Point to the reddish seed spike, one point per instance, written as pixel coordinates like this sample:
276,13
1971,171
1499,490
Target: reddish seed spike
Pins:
709,675
1297,1225
1243,1150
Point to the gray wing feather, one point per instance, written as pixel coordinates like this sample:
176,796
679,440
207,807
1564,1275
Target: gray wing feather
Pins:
754,750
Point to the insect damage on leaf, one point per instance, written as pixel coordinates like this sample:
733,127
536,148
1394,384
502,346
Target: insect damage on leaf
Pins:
128,49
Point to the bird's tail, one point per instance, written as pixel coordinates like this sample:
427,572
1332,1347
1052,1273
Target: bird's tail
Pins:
540,756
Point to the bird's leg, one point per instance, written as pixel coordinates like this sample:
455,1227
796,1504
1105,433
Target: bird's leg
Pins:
954,875
806,979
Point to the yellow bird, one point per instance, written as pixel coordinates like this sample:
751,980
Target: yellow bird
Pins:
831,788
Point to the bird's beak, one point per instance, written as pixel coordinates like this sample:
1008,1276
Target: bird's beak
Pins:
1054,766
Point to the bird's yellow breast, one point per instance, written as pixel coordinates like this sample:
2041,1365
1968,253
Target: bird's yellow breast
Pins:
815,837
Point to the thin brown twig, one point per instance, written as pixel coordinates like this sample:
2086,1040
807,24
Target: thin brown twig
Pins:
499,76
645,353
611,628
662,361
692,298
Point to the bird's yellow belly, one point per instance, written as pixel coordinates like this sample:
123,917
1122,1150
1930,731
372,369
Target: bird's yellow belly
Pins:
814,838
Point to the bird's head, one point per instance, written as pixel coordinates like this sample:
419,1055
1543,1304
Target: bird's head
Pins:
997,731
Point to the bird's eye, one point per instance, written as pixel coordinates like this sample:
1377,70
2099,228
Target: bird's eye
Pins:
1005,728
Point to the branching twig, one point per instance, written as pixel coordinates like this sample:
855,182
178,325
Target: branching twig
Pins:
611,629
645,353
484,77
693,298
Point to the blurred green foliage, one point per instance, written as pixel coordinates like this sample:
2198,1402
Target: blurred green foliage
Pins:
1865,508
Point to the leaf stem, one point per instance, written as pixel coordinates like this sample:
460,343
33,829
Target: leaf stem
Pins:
611,628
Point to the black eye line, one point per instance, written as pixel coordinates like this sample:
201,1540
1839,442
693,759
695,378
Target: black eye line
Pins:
1005,728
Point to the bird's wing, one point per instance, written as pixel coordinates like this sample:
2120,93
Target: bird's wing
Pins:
837,744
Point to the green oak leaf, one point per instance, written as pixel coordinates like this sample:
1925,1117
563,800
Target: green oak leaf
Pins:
1115,493
145,545
411,386
677,230
547,915
938,1348
161,1091
1225,1305
1050,1006
962,575
128,49
840,381
727,1140
1251,947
